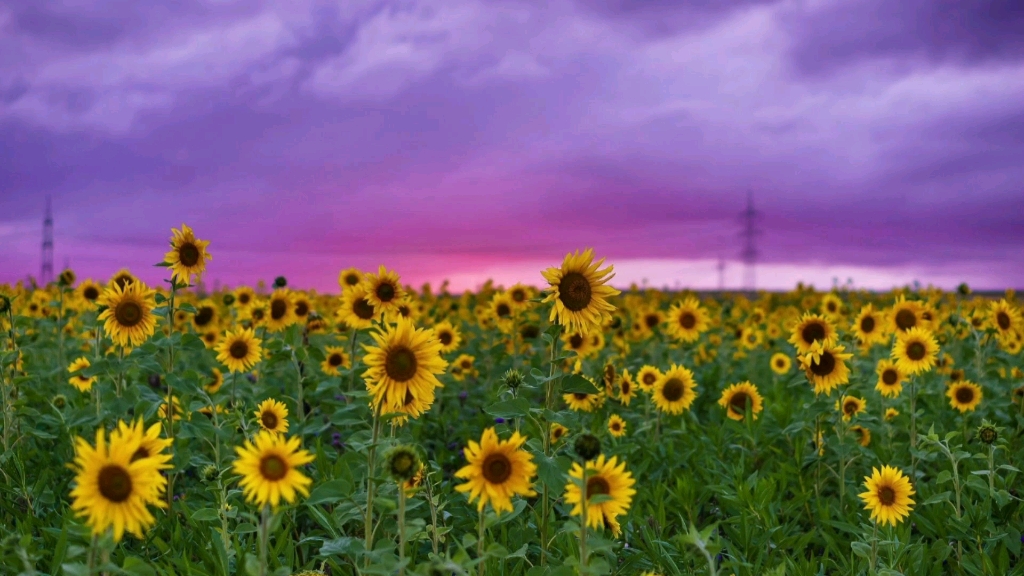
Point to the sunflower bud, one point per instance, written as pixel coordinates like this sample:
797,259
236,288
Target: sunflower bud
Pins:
587,447
59,401
513,379
280,282
66,278
988,433
228,299
402,462
5,304
208,473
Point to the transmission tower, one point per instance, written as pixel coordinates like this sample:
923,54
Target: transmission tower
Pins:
721,273
750,233
46,272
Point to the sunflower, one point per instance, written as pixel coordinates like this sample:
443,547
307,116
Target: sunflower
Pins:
349,278
647,377
650,319
616,426
165,411
583,402
89,292
736,398
214,385
580,343
812,328
964,395
825,367
579,292
905,315
269,468
868,326
111,490
850,406
627,389
188,256
151,445
462,367
863,435
281,310
405,361
272,416
1004,318
356,309
557,432
781,363
890,414
496,470
888,495
206,316
128,319
890,378
383,290
413,484
334,358
604,478
448,336
520,295
302,307
244,297
81,381
121,279
412,406
831,305
750,338
915,350
240,350
675,390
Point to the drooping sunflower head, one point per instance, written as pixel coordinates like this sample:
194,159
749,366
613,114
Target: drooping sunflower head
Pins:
915,350
604,477
216,381
384,290
128,319
675,391
890,378
496,470
402,463
335,358
825,367
781,363
272,416
188,255
964,395
269,466
811,329
738,398
887,495
240,350
862,434
356,310
616,426
405,360
579,292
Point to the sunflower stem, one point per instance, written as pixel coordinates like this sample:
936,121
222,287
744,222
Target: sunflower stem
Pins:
481,533
352,360
991,471
545,433
401,530
170,388
433,512
583,521
60,328
264,537
874,547
371,463
300,409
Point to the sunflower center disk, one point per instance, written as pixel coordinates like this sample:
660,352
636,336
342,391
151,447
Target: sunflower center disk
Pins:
651,320
596,486
203,316
673,390
905,319
574,291
128,314
825,364
889,377
91,293
115,483
887,496
575,341
445,338
269,420
400,364
503,310
867,325
243,299
497,468
964,395
739,402
238,350
1003,320
849,408
812,332
188,255
302,308
278,308
273,467
687,321
915,351
362,309
385,292
334,360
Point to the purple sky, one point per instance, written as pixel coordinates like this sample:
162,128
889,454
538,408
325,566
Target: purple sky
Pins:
469,138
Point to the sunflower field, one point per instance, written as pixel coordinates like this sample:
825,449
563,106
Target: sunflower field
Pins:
563,429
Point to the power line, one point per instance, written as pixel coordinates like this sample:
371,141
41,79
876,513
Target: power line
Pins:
46,271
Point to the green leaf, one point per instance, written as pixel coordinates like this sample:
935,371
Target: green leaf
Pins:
205,515
135,565
515,408
330,491
344,546
861,549
549,472
576,384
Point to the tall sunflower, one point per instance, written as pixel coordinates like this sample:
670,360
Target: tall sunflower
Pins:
356,310
80,381
810,329
188,255
825,367
269,466
686,320
240,350
272,416
964,395
737,398
496,470
281,310
888,495
915,350
604,478
128,319
383,290
579,292
405,360
111,490
675,390
890,378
